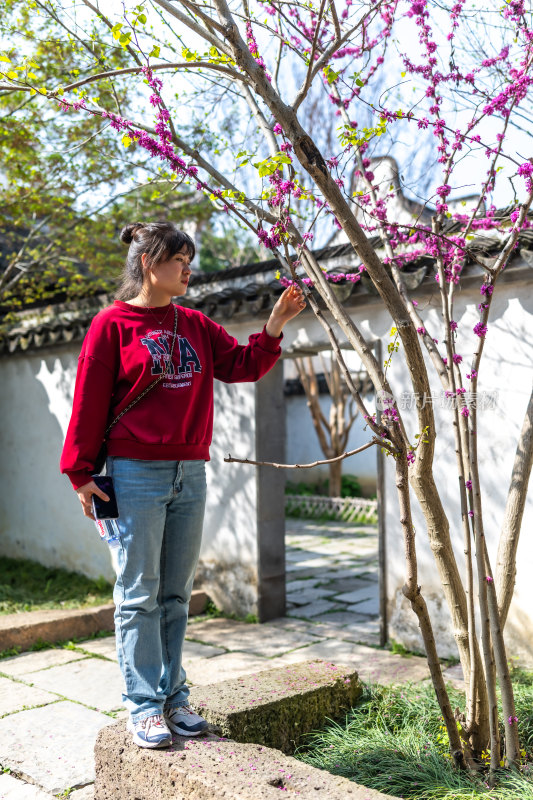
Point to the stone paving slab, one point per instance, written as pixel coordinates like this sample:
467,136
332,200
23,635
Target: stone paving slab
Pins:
87,793
371,591
345,585
246,638
373,666
230,665
314,609
210,768
295,586
298,572
455,676
293,564
93,682
14,789
342,572
193,650
368,607
289,624
15,695
305,596
101,647
303,556
329,626
18,666
52,746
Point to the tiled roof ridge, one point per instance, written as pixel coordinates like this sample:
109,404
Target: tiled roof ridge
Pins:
68,322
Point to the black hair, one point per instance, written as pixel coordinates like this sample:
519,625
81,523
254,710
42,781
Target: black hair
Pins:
160,241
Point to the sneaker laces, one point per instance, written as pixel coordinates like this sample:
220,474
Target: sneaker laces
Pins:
155,719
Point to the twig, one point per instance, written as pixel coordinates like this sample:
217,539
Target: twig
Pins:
229,459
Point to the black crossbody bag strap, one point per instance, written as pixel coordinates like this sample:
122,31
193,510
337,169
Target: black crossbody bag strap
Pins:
102,455
154,383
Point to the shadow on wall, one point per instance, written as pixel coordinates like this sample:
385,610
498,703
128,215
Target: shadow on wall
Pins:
41,515
228,559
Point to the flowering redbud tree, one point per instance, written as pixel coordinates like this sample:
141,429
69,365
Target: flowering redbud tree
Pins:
271,109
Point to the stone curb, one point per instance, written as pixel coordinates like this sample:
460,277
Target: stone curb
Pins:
211,768
275,707
56,625
287,702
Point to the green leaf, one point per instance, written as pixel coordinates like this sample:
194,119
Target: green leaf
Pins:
142,19
5,58
331,75
359,82
155,51
115,30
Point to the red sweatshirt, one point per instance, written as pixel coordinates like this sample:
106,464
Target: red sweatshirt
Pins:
125,349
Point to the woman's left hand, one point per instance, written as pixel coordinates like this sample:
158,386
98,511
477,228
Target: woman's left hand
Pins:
288,306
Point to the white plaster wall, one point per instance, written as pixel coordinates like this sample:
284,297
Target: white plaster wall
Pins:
41,516
228,559
507,370
506,374
303,446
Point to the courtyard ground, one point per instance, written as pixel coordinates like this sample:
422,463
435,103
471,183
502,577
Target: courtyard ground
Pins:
54,702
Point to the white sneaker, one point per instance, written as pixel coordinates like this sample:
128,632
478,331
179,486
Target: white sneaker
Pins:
150,732
184,721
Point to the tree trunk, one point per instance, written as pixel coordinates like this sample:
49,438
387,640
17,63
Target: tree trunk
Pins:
514,511
335,479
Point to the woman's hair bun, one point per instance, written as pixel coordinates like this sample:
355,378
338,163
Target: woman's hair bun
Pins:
129,231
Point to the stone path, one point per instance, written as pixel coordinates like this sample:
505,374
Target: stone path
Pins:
332,578
54,702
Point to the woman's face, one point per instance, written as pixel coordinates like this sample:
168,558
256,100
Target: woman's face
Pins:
171,276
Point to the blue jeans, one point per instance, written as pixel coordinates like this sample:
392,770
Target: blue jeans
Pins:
161,506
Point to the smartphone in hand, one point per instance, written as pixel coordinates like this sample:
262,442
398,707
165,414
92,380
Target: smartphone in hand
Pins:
101,509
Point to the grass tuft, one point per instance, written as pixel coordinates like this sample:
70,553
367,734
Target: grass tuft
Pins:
394,741
28,586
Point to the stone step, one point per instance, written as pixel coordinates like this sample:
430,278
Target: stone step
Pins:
255,713
276,706
211,768
57,625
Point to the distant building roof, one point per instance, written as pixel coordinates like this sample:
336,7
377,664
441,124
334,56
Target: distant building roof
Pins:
242,293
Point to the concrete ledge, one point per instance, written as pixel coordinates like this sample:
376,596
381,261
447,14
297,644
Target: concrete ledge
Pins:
277,706
198,602
58,625
54,625
210,768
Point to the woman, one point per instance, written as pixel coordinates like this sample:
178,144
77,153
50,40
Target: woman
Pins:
156,456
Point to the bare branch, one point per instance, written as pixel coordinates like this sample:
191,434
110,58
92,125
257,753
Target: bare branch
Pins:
335,19
194,26
230,459
261,120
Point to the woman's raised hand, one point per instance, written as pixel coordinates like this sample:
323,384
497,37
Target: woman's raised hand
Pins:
85,494
288,306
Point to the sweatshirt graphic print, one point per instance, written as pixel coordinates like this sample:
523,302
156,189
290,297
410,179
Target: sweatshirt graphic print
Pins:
124,351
